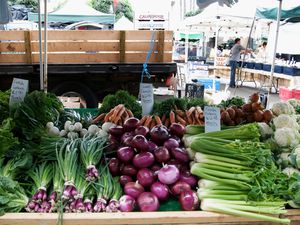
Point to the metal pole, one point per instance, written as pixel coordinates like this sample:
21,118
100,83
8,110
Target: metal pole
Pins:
275,49
45,48
40,47
216,54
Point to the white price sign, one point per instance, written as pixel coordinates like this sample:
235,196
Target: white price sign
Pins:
19,89
212,119
147,99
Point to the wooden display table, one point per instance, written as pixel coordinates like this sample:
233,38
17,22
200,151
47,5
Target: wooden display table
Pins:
195,217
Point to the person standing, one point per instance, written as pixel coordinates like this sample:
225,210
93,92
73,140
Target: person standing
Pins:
235,55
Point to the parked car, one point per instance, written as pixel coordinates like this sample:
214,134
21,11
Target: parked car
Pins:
84,26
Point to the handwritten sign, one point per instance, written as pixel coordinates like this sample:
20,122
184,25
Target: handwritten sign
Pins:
212,119
19,89
147,100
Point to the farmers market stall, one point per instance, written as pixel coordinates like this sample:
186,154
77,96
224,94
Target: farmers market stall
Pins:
193,160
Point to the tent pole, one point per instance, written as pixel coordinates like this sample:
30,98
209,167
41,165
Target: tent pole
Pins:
45,47
216,54
275,49
40,47
186,53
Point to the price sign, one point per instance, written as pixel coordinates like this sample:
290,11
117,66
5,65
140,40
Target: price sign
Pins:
147,100
19,89
212,119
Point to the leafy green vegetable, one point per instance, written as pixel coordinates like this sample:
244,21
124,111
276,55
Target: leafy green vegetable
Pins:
7,139
121,97
235,101
4,105
32,115
196,102
164,107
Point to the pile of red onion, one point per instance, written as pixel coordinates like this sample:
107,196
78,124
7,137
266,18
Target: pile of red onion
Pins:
152,165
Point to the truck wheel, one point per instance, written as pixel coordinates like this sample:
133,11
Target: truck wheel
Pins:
83,91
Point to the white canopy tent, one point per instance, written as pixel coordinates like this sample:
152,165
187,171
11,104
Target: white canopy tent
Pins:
124,24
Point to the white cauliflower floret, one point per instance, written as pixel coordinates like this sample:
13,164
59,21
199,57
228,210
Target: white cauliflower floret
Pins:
265,130
285,120
284,159
287,137
283,108
290,171
294,102
295,157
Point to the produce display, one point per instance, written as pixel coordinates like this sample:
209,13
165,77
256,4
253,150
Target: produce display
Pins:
54,160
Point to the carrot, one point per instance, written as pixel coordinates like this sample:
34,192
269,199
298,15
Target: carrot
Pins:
158,120
180,120
152,124
163,119
190,111
120,113
98,118
148,121
143,120
108,115
129,113
167,122
172,117
180,113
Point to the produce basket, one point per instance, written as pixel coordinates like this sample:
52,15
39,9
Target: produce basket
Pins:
194,217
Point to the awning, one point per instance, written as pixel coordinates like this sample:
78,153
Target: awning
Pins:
268,13
192,36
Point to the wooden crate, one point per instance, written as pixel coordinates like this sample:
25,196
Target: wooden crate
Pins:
195,217
86,46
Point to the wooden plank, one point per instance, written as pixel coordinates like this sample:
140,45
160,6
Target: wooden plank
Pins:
27,38
12,47
79,35
141,57
13,35
161,45
144,46
192,217
12,58
79,58
69,46
146,35
122,45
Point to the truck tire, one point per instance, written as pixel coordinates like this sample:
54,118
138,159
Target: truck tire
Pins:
82,90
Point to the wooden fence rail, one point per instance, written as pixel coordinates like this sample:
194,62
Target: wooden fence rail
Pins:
22,47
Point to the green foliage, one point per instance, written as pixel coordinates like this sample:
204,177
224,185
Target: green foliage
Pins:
121,97
235,101
4,105
164,107
28,3
7,139
193,13
124,8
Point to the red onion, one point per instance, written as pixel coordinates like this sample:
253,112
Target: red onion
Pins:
114,166
179,187
189,200
159,134
176,138
125,154
171,143
143,160
124,179
168,174
142,130
187,177
131,124
127,203
140,142
180,154
151,146
116,131
145,177
177,129
133,189
128,170
126,138
155,167
148,202
160,190
113,139
176,163
161,154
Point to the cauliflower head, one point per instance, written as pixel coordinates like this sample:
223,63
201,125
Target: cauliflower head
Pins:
294,102
295,157
287,137
284,120
283,108
265,130
290,171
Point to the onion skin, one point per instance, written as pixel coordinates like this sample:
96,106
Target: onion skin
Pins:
140,142
151,146
189,200
187,177
127,203
124,179
128,170
168,174
171,143
177,129
159,134
160,190
133,189
179,187
145,177
125,154
116,131
114,166
180,154
143,160
130,124
126,138
148,202
142,130
162,154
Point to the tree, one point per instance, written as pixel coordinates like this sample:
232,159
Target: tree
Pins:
193,13
124,8
204,3
32,4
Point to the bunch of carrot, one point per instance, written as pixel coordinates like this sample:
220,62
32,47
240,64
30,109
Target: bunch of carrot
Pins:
116,115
